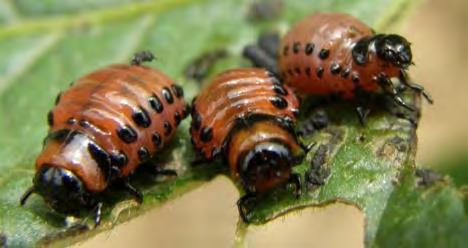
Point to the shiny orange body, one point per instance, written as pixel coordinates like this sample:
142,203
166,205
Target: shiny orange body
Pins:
230,99
315,57
97,106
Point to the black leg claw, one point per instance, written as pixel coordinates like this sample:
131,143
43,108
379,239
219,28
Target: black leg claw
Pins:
97,214
133,191
242,205
295,179
416,87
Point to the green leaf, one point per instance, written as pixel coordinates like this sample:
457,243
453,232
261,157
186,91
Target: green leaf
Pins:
46,45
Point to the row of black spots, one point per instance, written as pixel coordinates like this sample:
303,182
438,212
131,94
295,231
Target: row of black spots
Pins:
308,50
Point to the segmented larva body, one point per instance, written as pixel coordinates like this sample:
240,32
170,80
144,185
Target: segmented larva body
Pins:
122,113
241,112
316,56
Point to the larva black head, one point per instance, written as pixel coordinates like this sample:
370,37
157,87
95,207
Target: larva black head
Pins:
61,189
265,166
394,49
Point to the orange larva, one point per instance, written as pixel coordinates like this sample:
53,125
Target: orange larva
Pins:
246,116
105,125
337,54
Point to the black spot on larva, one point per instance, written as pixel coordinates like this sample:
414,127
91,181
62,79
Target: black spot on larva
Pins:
309,48
178,91
295,112
127,134
296,47
157,140
280,89
324,53
57,99
297,70
119,159
71,121
143,154
285,50
345,73
319,72
141,117
196,120
84,123
279,102
167,128
335,68
177,118
155,103
166,93
308,71
50,118
206,134
355,77
101,157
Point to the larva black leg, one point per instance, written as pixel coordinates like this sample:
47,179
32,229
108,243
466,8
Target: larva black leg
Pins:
416,87
307,148
260,58
295,179
143,56
269,43
362,114
26,195
97,214
242,204
133,191
387,86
